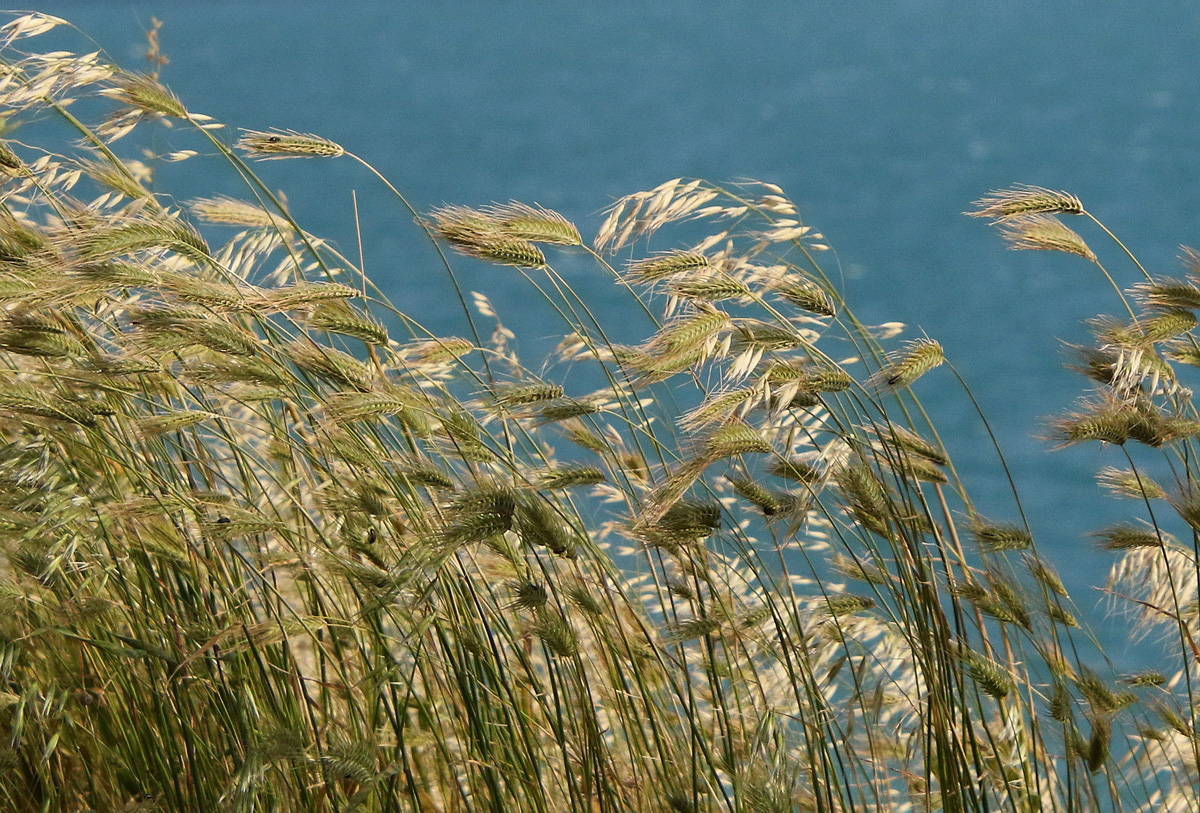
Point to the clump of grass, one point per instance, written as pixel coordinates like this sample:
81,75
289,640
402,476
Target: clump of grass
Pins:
256,554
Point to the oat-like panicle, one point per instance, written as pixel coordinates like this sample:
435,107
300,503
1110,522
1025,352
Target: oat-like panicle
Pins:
1026,200
907,365
273,144
1042,232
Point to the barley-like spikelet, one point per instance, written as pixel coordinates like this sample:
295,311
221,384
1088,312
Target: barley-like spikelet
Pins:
532,223
686,335
565,409
1165,326
303,295
479,235
439,351
767,501
732,440
214,295
233,212
718,408
909,441
106,242
161,424
512,395
18,399
905,366
339,317
527,595
334,366
1098,693
1096,752
1045,575
1125,536
1005,602
365,406
684,522
709,288
807,295
1110,422
994,538
1026,200
1168,292
116,176
118,275
539,525
223,370
10,162
479,514
661,266
1061,615
858,569
847,604
680,631
146,94
865,498
556,477
424,472
752,333
36,333
1187,505
520,253
1145,679
1042,232
797,470
991,678
1125,483
274,144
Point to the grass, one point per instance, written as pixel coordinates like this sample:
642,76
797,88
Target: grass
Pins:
259,553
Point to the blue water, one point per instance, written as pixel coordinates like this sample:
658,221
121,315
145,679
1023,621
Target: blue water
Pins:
883,120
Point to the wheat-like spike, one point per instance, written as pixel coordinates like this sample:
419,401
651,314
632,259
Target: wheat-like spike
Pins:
533,223
905,366
1126,483
987,674
268,145
1168,292
512,395
156,425
1025,200
303,295
336,316
1042,232
994,537
146,94
715,288
22,400
556,477
232,212
1125,536
332,365
669,264
806,295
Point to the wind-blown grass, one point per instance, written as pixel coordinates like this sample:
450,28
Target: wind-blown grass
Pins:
264,550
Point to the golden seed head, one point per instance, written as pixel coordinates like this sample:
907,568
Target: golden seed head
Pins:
272,144
1043,232
1026,200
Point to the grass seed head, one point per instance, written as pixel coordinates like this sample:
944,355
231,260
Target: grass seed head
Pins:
274,144
1025,200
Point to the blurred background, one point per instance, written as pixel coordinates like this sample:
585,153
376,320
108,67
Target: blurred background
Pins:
884,121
